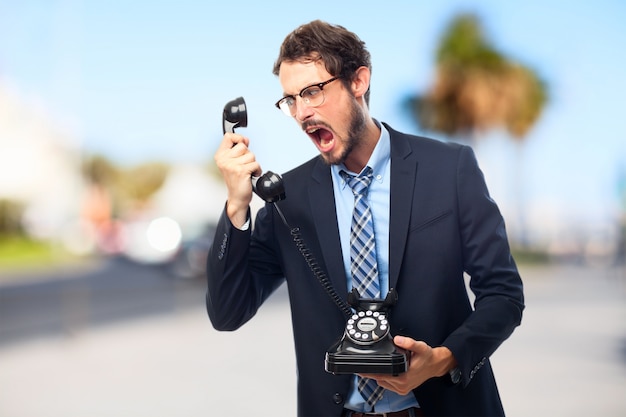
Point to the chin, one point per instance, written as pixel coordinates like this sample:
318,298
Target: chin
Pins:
330,159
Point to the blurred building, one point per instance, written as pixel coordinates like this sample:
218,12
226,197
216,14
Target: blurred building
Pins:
191,196
39,165
180,217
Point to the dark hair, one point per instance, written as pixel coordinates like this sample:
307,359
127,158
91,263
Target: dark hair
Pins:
341,51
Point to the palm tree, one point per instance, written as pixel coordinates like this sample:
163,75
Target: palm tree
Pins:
139,183
477,89
126,187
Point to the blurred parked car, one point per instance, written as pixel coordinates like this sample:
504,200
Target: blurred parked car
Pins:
191,256
151,240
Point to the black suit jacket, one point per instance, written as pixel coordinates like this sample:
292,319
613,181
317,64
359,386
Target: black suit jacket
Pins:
443,223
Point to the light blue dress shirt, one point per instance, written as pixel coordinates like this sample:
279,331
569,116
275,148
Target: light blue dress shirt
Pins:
378,197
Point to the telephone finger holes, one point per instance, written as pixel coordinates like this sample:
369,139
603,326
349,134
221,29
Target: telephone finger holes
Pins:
367,327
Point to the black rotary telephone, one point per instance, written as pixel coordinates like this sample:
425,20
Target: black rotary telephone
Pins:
367,345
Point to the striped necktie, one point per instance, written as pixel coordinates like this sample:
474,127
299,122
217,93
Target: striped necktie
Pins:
363,263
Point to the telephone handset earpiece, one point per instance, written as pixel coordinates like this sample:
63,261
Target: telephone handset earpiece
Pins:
268,186
235,115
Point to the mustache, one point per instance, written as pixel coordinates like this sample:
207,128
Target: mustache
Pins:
310,123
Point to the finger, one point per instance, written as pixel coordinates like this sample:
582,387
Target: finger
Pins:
381,380
410,344
386,380
257,172
243,166
399,384
241,156
237,154
231,139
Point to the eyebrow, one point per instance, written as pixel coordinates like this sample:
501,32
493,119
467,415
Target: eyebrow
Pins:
303,88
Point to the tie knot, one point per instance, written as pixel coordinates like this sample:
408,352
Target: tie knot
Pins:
360,183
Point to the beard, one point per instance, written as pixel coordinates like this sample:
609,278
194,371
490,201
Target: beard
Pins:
353,138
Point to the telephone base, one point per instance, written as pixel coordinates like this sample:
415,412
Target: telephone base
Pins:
393,363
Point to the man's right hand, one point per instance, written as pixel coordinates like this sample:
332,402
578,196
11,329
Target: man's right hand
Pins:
237,164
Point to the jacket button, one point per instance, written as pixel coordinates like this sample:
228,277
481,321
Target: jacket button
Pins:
337,398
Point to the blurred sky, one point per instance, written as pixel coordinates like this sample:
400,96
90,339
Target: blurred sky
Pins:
143,80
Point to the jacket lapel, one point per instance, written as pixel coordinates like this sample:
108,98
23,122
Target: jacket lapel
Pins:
322,203
403,177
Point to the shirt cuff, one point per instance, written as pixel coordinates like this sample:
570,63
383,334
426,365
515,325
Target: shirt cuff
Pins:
245,226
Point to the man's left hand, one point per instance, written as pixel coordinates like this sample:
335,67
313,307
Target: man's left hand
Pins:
426,362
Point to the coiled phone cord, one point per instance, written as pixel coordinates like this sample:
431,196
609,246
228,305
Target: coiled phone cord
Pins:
313,265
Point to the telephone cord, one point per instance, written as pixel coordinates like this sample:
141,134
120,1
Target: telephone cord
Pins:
313,265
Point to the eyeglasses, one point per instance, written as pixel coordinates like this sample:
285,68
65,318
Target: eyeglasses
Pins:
312,96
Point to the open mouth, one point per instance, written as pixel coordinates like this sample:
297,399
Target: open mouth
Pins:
322,137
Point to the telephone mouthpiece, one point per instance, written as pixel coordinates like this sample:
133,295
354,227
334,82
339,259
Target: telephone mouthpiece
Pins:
269,187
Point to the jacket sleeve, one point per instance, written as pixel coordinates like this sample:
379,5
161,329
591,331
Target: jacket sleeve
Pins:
241,275
494,278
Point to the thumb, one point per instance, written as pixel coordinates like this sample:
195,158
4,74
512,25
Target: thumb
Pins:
410,344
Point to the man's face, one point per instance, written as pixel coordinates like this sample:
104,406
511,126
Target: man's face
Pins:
335,126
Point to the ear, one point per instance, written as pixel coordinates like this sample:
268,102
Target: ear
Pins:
361,82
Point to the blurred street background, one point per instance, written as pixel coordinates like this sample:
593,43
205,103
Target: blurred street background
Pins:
110,113
122,339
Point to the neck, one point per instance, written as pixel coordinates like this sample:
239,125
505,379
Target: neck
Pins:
363,151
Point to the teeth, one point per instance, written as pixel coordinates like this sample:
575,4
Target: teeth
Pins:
311,131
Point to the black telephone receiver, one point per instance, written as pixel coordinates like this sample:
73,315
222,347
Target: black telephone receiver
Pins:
268,186
367,345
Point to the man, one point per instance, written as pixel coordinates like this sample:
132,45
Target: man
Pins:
432,219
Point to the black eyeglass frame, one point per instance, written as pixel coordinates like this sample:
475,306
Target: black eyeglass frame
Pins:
318,85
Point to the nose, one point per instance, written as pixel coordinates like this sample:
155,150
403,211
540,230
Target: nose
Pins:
303,111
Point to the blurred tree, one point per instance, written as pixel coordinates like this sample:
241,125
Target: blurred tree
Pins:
98,170
102,199
476,89
128,187
11,218
138,184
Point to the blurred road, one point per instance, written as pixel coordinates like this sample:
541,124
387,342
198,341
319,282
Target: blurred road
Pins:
120,339
66,302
